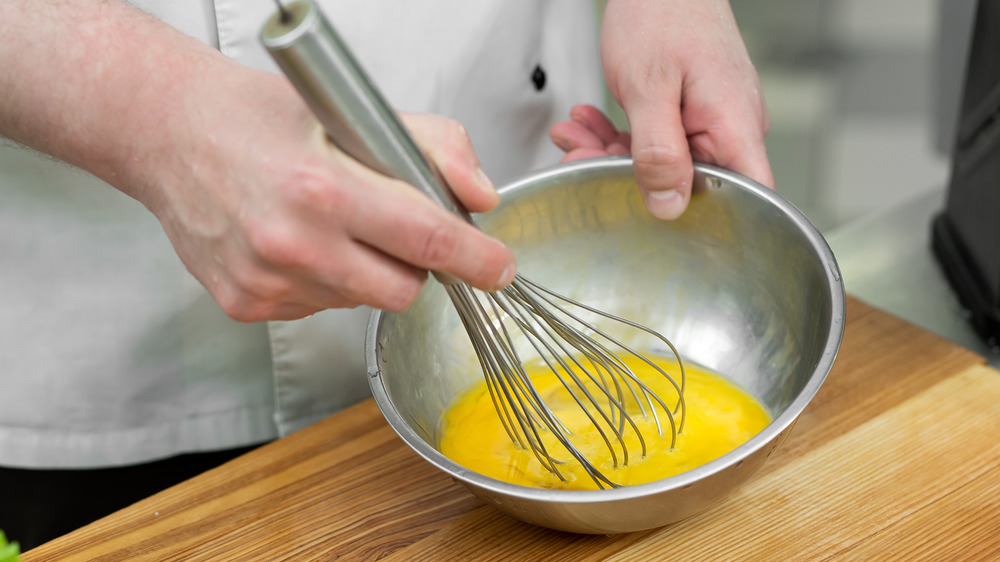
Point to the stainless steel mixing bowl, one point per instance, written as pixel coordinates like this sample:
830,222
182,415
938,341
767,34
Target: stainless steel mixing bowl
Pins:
742,284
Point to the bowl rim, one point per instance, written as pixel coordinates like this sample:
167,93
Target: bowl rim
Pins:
685,479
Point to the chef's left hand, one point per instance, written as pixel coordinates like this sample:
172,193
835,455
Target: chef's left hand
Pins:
682,74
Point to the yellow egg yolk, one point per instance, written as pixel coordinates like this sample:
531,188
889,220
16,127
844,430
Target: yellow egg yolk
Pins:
719,417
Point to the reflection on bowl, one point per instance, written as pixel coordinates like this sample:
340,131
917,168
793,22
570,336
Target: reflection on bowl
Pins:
742,284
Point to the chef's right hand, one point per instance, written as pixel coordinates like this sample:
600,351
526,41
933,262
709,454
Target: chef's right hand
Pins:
273,220
277,223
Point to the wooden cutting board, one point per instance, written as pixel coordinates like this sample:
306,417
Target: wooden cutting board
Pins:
896,458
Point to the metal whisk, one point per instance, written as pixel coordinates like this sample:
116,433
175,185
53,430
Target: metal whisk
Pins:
587,360
578,353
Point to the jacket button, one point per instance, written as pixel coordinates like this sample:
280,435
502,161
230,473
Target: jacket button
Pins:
538,78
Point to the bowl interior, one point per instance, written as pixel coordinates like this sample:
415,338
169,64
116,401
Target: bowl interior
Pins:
741,284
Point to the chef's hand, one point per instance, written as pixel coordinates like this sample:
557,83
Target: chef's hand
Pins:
589,133
682,74
268,216
278,223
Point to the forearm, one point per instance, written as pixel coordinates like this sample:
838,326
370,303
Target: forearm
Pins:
95,83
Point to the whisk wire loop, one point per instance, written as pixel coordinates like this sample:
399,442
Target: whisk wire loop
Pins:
680,406
626,374
534,331
494,351
582,358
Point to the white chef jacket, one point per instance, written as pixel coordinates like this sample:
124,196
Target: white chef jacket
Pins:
111,353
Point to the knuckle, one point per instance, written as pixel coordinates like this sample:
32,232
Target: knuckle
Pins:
317,192
228,303
253,295
265,294
659,156
277,245
436,246
239,308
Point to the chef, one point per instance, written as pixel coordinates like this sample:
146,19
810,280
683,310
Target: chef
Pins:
186,263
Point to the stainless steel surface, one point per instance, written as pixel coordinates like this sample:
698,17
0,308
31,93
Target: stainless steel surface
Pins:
741,283
886,261
351,109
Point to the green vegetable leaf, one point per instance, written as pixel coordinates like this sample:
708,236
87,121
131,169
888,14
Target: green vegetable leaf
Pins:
9,552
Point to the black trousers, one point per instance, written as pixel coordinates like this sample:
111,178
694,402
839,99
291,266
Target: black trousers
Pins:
37,506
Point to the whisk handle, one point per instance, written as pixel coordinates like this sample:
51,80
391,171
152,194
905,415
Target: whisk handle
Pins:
346,102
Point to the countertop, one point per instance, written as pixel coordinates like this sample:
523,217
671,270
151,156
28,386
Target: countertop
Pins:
895,458
886,260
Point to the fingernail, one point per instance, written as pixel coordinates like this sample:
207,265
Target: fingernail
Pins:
484,181
667,204
486,185
506,277
562,143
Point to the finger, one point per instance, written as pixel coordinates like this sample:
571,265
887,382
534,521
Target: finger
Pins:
595,120
752,162
242,306
748,158
402,222
618,149
252,301
363,274
447,145
740,149
583,154
625,140
396,219
572,135
661,157
288,312
281,285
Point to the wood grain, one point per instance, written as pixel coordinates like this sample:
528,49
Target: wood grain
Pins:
896,458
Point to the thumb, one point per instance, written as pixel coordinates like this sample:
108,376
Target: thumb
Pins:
661,157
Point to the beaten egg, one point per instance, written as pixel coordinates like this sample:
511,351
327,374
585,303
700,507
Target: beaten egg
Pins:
719,416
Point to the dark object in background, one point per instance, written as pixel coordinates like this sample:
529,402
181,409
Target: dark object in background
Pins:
966,235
